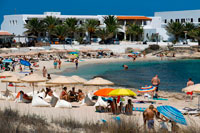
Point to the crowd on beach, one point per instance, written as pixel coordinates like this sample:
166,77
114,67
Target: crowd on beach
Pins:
115,105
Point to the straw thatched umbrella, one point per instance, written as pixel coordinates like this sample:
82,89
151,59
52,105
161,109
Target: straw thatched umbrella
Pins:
62,80
14,79
193,88
99,82
71,57
43,84
33,78
79,79
6,74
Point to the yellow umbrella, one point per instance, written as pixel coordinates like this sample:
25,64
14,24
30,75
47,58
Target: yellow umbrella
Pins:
33,78
122,92
79,79
15,79
99,81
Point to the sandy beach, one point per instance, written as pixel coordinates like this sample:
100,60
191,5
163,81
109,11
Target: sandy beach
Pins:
84,113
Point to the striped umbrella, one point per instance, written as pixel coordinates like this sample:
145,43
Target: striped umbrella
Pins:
172,113
147,89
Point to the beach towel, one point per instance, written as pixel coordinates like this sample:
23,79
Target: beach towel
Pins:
100,102
63,104
163,99
38,102
140,109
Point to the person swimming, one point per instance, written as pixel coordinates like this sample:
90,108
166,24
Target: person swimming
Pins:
125,67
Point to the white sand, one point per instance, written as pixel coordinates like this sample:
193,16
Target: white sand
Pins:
86,113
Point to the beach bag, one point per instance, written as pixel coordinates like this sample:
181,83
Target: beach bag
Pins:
101,103
38,102
63,104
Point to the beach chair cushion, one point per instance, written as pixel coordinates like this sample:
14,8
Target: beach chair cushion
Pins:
41,94
101,103
88,101
38,102
63,104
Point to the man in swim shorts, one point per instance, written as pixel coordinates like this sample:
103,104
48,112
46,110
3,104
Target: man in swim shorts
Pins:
155,82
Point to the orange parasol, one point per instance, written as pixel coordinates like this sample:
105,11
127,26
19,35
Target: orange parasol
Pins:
103,92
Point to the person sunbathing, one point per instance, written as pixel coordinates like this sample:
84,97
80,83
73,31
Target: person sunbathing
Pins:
81,95
24,97
121,108
48,92
64,94
129,108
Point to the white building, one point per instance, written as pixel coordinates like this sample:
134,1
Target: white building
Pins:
154,27
191,16
15,23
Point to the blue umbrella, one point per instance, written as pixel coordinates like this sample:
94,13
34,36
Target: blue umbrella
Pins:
7,61
73,53
25,63
172,113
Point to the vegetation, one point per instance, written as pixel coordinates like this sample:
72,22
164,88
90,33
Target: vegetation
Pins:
135,31
176,29
195,33
12,121
91,26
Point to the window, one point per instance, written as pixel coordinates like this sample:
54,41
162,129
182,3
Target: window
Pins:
145,23
171,20
10,22
80,22
198,19
182,20
13,22
191,20
165,20
16,22
177,20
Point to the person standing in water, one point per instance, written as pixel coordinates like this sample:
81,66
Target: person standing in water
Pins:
155,82
59,64
76,63
55,63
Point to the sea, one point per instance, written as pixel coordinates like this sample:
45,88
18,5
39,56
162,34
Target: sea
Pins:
173,74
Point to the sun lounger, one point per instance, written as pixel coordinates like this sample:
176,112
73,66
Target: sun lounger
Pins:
140,109
144,102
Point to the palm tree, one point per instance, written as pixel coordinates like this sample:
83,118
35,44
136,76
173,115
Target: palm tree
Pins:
91,26
176,29
195,33
34,27
112,25
102,33
60,32
71,26
134,30
50,24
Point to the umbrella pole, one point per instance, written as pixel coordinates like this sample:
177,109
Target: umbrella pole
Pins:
198,101
6,85
15,87
33,88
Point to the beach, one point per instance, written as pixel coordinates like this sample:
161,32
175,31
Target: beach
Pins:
85,113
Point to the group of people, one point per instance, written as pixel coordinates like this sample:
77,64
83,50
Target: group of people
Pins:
57,63
72,95
148,116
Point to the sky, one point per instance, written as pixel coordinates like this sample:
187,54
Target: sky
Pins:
95,7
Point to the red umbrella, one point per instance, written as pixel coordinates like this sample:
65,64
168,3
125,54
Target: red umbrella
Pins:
103,92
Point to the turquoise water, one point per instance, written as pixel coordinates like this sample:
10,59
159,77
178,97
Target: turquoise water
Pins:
173,74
